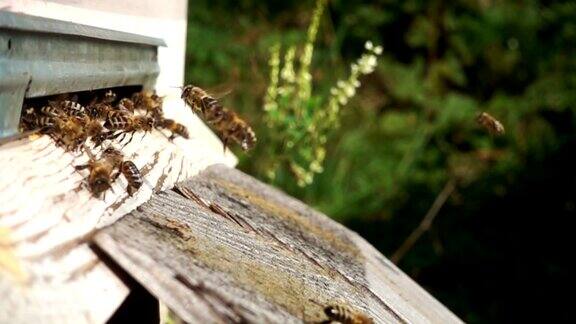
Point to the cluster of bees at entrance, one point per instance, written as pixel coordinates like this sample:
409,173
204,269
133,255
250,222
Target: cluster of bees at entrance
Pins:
107,118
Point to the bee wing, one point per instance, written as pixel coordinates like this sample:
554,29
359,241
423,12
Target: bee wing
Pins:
220,91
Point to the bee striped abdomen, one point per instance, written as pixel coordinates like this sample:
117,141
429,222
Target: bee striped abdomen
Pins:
43,121
118,120
133,176
72,108
174,127
50,111
209,103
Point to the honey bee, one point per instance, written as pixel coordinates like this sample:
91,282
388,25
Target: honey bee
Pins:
142,123
346,315
98,110
32,120
199,100
93,129
126,104
70,108
491,124
102,170
51,111
231,126
69,131
148,101
174,127
226,122
132,175
125,123
118,120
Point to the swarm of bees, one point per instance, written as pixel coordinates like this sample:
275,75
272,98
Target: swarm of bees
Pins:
104,118
491,124
225,122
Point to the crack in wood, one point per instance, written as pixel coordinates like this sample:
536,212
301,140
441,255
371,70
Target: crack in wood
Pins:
83,269
181,169
203,292
60,250
164,174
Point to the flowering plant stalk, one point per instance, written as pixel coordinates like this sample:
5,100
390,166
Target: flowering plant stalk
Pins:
303,118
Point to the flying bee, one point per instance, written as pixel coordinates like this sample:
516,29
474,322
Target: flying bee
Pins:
102,170
199,100
132,175
346,315
174,127
232,127
226,122
491,124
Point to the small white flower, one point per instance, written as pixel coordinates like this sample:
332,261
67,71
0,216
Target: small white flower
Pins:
367,64
369,46
350,91
354,68
378,50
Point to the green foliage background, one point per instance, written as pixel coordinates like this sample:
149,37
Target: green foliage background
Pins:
411,129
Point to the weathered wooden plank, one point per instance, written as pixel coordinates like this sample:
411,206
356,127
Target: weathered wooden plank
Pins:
223,247
47,271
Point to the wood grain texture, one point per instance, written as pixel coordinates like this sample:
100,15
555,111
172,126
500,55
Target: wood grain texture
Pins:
223,247
47,216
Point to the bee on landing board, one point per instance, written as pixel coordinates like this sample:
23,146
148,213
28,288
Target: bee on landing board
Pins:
132,175
105,170
102,170
31,120
69,132
126,104
51,111
148,101
69,108
491,124
346,315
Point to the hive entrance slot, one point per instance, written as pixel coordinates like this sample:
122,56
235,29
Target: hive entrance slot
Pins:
82,97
